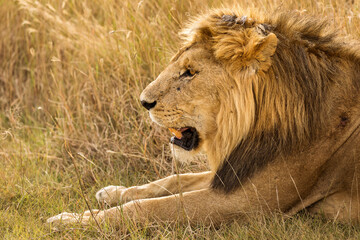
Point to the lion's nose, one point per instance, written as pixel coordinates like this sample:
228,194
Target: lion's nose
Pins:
148,105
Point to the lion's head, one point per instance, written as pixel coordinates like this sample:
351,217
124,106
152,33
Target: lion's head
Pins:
244,89
183,97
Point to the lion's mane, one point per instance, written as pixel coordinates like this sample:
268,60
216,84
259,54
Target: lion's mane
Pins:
281,106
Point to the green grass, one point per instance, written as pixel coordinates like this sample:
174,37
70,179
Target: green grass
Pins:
71,75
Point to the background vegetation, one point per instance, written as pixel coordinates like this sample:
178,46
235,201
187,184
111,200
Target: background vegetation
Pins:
71,73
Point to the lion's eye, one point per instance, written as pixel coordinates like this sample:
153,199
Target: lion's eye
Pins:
188,73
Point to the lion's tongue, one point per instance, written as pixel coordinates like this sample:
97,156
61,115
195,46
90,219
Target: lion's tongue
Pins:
178,132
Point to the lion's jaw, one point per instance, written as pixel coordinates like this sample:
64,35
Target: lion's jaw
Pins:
185,96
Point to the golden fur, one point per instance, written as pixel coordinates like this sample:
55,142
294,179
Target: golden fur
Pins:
276,103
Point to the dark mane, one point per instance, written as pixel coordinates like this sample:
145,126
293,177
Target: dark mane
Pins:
292,98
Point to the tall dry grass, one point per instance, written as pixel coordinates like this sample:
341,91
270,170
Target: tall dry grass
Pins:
71,74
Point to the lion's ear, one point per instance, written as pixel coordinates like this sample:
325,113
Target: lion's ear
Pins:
261,48
250,49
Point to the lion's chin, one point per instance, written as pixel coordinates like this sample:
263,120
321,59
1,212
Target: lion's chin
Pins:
187,157
186,138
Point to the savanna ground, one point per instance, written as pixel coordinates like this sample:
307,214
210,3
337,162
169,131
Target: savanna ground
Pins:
71,121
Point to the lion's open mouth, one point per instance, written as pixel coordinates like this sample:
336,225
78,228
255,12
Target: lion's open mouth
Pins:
186,138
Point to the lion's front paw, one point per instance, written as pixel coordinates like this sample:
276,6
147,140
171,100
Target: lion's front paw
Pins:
110,195
69,218
64,218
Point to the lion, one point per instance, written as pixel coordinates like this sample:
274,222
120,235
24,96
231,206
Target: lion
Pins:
273,102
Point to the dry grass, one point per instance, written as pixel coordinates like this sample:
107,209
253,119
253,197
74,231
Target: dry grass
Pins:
71,73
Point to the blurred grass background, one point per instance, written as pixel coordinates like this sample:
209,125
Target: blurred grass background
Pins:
71,73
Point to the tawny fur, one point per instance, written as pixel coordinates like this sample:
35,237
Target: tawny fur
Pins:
277,106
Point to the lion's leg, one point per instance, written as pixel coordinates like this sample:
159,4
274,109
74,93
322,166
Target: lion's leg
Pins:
163,187
339,206
271,189
204,206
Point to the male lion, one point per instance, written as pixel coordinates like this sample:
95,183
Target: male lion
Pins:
273,102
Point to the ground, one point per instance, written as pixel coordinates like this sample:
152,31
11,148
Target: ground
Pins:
71,121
